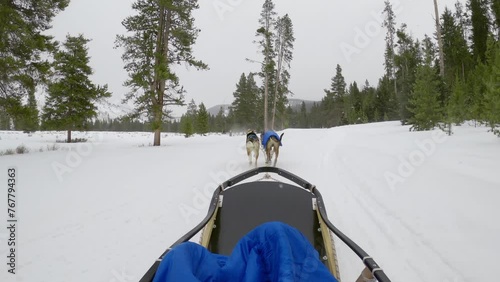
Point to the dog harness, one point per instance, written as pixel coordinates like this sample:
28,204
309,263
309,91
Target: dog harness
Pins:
267,135
252,136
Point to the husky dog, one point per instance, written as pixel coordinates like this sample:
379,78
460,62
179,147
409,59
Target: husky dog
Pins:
271,142
252,144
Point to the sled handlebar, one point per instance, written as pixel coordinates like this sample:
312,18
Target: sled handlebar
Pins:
245,175
369,262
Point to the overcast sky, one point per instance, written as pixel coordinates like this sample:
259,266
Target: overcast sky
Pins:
327,32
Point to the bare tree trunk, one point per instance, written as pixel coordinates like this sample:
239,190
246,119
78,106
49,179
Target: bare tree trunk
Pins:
265,99
266,62
69,136
157,138
276,88
274,103
278,73
440,40
395,88
441,53
394,73
160,82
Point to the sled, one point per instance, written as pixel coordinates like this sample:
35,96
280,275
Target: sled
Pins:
237,208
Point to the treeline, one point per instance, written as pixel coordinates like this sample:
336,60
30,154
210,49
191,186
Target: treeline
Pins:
31,61
436,81
424,86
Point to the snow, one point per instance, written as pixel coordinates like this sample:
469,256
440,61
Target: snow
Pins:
423,204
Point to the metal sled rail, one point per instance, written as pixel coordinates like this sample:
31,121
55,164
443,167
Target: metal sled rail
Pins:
369,262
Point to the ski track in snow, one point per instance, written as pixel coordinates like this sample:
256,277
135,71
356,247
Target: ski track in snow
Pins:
125,204
389,223
396,231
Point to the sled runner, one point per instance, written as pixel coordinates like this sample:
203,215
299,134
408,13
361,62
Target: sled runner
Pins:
237,208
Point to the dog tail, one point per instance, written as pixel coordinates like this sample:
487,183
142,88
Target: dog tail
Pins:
250,145
281,138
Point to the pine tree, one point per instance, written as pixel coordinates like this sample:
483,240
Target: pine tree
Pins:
187,125
162,34
30,118
245,105
406,61
220,121
266,34
458,57
211,123
202,120
24,117
284,52
333,103
492,93
368,105
303,119
192,108
338,85
440,41
192,113
476,89
230,123
457,105
353,104
70,104
424,104
23,50
239,105
480,28
4,121
390,24
314,116
385,101
495,8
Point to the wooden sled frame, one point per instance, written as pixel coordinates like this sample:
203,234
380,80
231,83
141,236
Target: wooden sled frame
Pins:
213,236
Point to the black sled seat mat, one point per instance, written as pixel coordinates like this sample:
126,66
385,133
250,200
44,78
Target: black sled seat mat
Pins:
248,205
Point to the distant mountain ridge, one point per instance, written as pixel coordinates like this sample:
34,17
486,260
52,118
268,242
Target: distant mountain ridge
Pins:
107,110
296,104
215,109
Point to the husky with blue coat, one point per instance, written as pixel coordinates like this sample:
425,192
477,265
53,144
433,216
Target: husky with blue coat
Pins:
271,143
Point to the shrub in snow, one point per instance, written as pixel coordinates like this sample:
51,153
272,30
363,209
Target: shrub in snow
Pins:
54,147
21,149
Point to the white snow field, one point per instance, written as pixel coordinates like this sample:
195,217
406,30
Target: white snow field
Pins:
426,206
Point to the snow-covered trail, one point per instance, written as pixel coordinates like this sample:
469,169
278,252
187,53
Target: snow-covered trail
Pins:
104,211
113,212
434,225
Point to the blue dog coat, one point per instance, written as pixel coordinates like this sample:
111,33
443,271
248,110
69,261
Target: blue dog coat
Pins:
267,135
